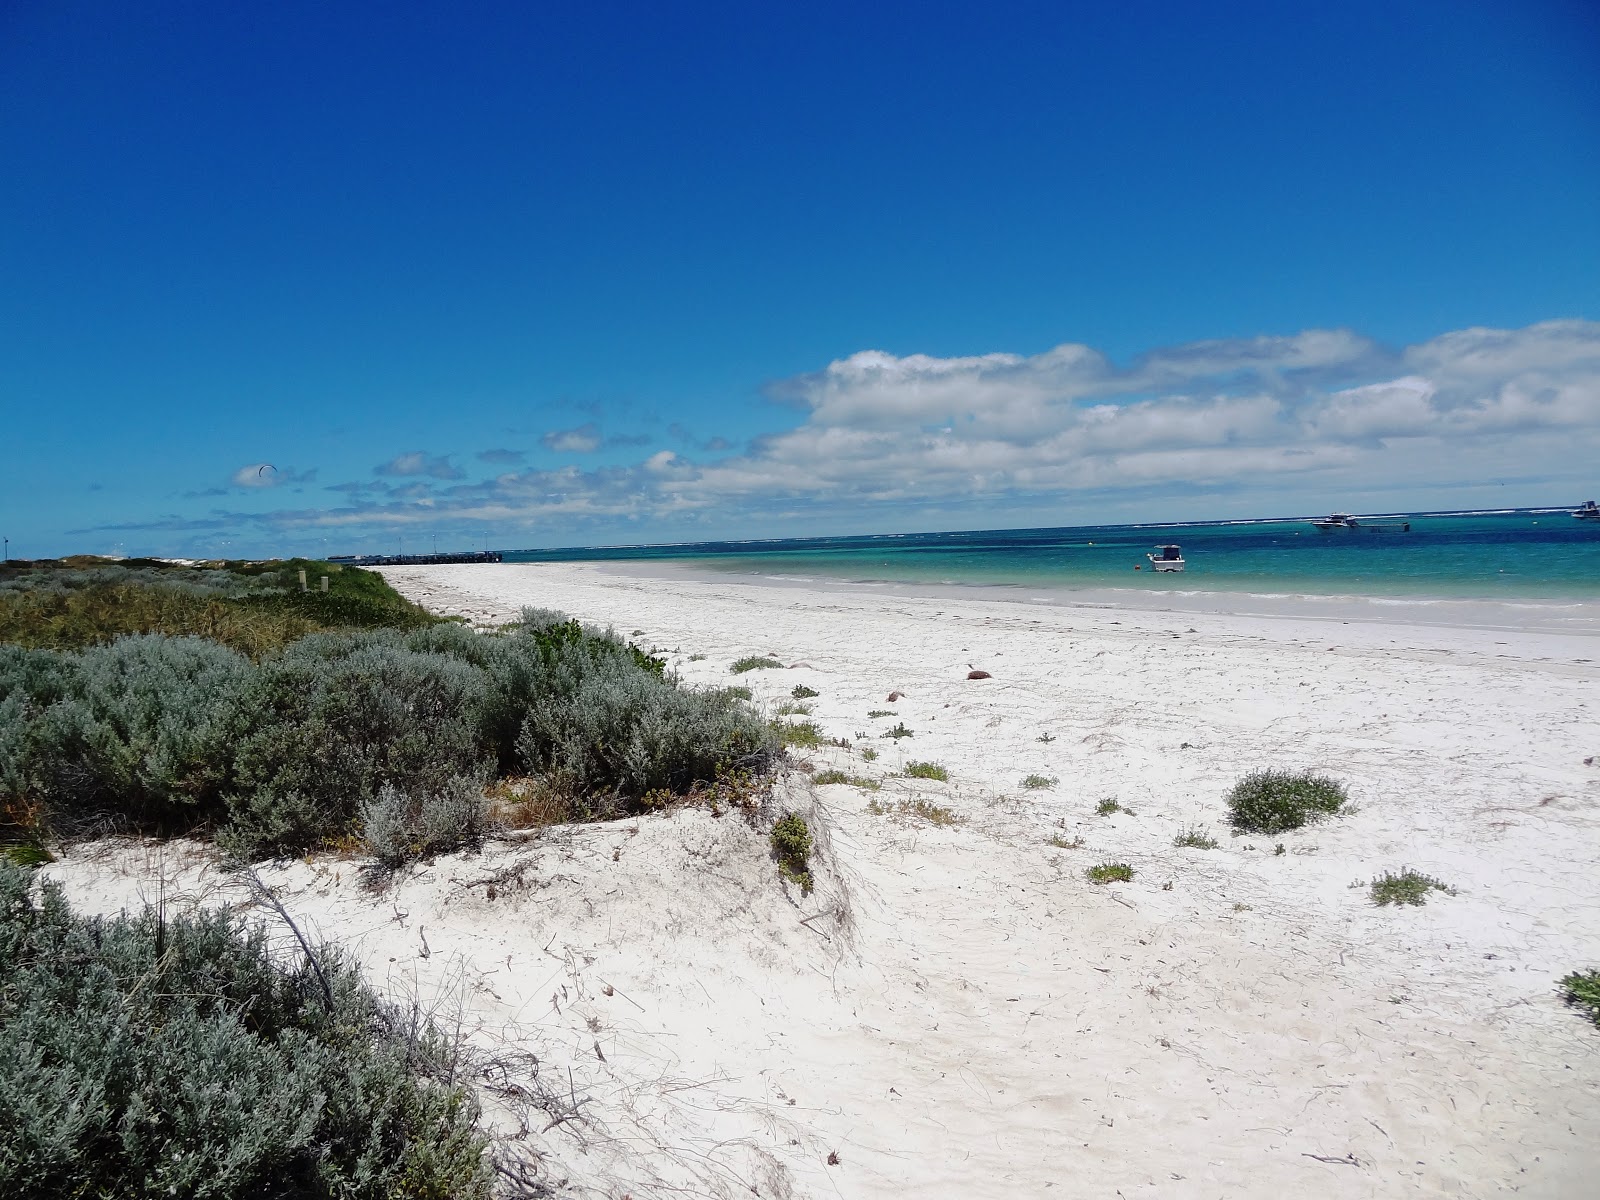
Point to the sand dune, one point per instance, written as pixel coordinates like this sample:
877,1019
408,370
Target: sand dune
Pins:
956,1011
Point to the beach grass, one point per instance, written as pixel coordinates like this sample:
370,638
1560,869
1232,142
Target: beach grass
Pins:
1406,887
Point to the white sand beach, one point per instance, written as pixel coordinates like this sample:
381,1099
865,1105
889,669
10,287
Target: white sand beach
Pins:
956,1011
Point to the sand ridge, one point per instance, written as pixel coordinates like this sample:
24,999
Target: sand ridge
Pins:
955,1010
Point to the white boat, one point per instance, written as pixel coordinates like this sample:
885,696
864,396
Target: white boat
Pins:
1587,511
1342,522
1166,558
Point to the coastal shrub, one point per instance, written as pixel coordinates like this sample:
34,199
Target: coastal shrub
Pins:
134,733
740,693
880,712
898,732
607,726
403,825
1039,782
1109,872
791,846
153,1056
1581,989
754,662
801,692
1278,801
869,753
790,708
327,724
1195,838
1408,887
1062,842
1107,806
927,770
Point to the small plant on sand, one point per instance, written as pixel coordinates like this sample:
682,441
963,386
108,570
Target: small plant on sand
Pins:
898,732
869,753
754,662
801,692
1408,887
1046,738
1036,783
805,734
927,770
1065,843
832,775
791,846
1195,838
1109,872
933,814
791,708
740,693
880,712
1581,989
1278,801
697,658
1107,806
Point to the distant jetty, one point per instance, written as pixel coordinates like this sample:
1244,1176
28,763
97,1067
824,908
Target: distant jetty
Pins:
415,560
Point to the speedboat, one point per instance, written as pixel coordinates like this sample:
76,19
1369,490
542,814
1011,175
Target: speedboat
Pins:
1342,522
1587,511
1166,558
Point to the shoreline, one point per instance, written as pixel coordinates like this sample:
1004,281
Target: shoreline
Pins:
1558,615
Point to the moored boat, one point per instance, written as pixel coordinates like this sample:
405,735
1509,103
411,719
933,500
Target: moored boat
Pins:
1166,558
1587,511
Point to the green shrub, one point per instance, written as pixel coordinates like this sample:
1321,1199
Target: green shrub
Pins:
805,734
1195,838
754,662
1107,806
801,692
879,712
740,693
1408,887
1278,801
1581,989
152,1056
791,846
1109,872
790,708
927,770
1037,782
898,732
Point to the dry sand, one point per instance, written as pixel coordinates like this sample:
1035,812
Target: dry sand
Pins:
956,1011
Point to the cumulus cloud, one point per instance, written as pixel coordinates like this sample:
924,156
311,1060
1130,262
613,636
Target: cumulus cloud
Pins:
1298,420
419,462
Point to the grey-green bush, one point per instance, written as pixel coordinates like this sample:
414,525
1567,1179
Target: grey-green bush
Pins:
145,1057
405,824
130,733
328,723
1278,801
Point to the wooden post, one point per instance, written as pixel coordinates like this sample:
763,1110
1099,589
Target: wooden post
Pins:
302,579
324,583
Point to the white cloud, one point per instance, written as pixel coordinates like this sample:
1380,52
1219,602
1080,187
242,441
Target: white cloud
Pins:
418,462
585,439
1298,421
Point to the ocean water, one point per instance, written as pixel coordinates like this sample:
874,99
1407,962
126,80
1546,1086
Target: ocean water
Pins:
1524,554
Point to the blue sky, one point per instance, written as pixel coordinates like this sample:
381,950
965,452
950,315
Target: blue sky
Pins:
611,273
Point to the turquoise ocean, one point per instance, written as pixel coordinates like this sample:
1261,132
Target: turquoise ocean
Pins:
1510,555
